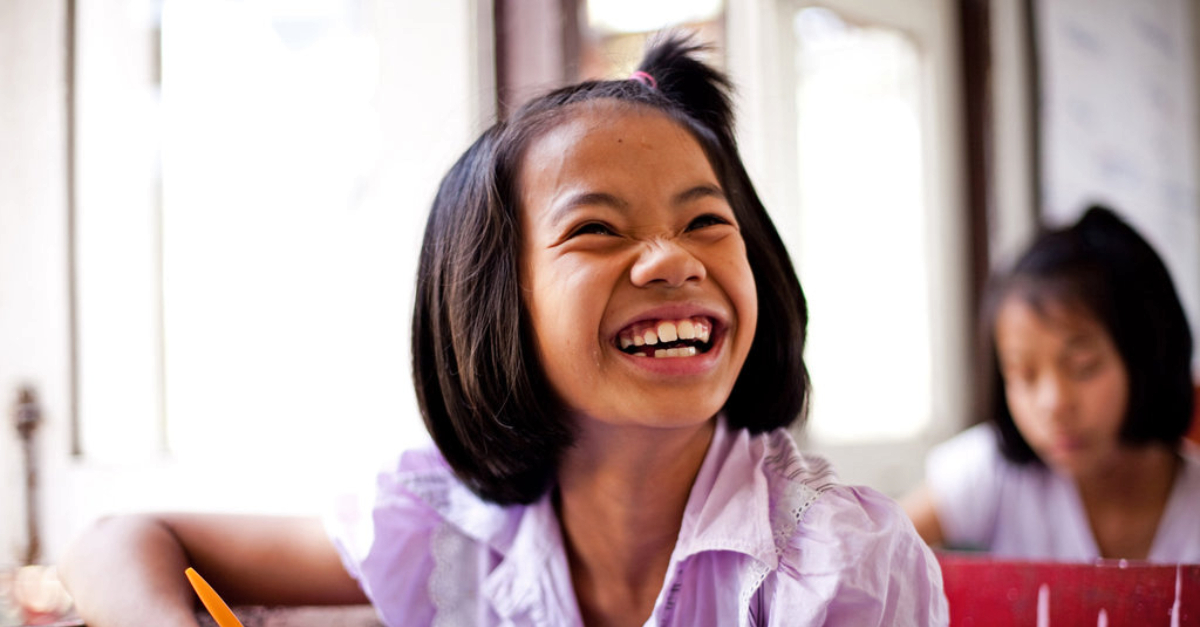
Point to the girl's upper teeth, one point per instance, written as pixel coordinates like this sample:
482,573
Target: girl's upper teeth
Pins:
651,333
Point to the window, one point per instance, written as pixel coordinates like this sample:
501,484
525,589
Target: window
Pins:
254,178
617,31
849,124
862,245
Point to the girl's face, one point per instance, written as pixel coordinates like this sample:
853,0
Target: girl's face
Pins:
634,270
1066,384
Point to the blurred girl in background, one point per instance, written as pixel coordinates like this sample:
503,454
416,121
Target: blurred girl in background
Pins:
1083,456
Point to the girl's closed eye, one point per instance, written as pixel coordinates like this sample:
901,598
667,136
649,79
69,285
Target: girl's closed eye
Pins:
707,220
1085,366
591,228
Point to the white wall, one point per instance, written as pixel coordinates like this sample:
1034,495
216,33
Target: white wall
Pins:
33,235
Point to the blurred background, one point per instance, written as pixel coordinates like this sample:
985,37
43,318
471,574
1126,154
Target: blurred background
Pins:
210,212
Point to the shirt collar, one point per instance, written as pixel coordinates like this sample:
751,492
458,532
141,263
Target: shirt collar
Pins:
729,508
533,579
746,499
723,513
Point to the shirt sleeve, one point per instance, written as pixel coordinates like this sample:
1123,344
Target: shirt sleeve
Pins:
964,475
857,561
384,537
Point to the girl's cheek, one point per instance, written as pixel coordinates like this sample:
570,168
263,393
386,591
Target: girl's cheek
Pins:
1015,391
1020,400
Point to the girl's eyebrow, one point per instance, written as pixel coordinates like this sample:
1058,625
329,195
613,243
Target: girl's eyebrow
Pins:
584,199
699,191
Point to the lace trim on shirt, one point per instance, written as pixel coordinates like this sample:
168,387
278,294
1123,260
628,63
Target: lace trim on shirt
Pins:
807,478
452,589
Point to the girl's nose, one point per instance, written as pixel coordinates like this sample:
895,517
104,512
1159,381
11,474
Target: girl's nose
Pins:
1054,397
665,262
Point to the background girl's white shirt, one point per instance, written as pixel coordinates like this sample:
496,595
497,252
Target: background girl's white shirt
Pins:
986,502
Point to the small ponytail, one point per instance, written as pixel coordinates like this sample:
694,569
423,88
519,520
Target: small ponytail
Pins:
698,89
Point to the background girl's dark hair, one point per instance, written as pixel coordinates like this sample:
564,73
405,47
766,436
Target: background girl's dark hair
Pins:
482,393
1103,265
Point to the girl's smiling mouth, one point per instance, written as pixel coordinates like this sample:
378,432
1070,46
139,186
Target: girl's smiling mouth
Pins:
664,338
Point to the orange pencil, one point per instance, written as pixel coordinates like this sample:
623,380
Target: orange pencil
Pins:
212,601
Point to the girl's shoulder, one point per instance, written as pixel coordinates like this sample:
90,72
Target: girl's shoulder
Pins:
789,470
421,472
421,480
970,466
809,499
814,513
1188,480
860,557
410,528
850,546
974,445
410,497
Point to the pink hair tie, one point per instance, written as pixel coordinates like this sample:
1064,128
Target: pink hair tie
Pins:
644,78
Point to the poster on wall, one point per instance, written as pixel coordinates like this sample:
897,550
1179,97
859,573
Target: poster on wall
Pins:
1118,122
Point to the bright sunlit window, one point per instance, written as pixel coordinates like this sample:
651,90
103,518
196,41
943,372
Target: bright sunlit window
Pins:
617,31
255,332
639,16
269,152
861,250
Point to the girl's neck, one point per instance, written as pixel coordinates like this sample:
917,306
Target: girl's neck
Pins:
1135,472
1125,501
621,496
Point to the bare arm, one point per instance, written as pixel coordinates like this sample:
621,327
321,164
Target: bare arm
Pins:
919,507
128,570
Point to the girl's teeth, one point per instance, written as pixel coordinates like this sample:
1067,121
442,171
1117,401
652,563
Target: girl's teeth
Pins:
666,331
685,351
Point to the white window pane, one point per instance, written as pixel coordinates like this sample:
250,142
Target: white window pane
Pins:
862,242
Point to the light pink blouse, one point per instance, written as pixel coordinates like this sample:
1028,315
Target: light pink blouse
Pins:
768,538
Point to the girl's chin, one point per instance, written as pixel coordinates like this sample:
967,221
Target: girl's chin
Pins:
1074,466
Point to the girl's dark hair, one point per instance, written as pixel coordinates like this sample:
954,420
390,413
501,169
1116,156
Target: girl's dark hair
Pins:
1104,266
481,390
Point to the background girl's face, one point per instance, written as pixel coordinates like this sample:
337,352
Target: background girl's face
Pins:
634,271
1066,385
